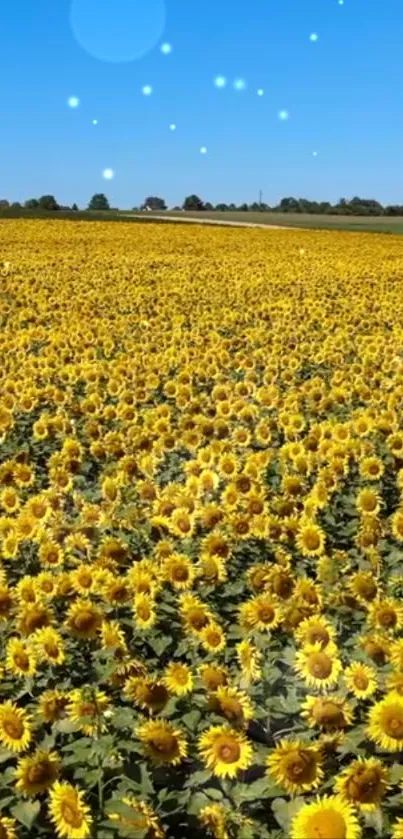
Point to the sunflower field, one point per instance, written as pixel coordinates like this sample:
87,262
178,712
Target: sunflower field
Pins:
201,533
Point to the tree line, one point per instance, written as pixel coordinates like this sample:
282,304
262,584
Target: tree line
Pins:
99,202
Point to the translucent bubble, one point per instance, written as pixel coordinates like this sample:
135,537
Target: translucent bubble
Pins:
260,92
117,30
172,126
239,84
313,37
166,49
73,102
220,81
315,153
341,2
108,174
283,115
95,122
147,90
203,150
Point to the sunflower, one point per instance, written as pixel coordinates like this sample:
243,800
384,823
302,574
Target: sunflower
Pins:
329,817
360,680
162,742
397,525
213,817
315,630
86,707
15,728
386,614
311,539
376,647
232,704
20,659
225,751
363,783
249,658
212,638
363,586
394,683
138,816
319,667
68,811
8,828
327,712
296,765
83,619
385,723
148,693
37,772
49,646
371,468
213,676
178,679
397,829
52,705
260,613
33,617
368,502
178,570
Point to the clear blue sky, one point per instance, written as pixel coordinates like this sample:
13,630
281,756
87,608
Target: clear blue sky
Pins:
343,94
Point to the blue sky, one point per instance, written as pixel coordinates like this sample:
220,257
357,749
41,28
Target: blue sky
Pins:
343,94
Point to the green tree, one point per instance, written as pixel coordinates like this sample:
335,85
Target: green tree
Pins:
155,203
193,202
74,207
99,201
31,204
48,202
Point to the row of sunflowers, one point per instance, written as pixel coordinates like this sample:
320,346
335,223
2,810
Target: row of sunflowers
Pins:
201,533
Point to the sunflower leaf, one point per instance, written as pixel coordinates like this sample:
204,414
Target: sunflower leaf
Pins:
26,812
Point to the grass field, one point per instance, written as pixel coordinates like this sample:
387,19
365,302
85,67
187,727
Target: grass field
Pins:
361,223
201,533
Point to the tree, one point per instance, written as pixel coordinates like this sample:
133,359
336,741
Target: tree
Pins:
74,207
31,204
243,208
209,207
222,208
16,205
155,203
99,201
4,204
48,202
193,202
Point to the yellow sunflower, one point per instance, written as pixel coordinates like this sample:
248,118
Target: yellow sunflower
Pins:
330,817
397,829
162,742
249,658
296,765
363,783
233,704
311,539
360,680
20,659
315,630
8,828
213,817
385,723
15,728
83,619
320,668
37,772
386,614
213,676
178,678
225,751
149,694
260,613
49,645
87,707
52,705
139,817
68,811
368,502
327,712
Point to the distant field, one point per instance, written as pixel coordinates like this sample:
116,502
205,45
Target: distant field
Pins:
380,224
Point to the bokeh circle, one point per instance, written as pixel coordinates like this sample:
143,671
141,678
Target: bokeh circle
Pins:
117,31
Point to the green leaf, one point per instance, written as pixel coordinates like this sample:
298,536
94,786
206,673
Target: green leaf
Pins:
26,812
197,802
284,811
192,719
262,788
199,778
396,773
214,793
5,755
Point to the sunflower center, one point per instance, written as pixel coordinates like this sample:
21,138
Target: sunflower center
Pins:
319,636
22,661
180,573
165,744
319,665
4,834
143,610
51,649
266,613
39,773
327,824
84,621
365,786
328,713
213,638
393,724
300,767
197,618
229,752
361,681
311,540
71,814
387,616
14,728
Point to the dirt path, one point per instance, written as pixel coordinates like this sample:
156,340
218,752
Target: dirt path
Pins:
219,222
